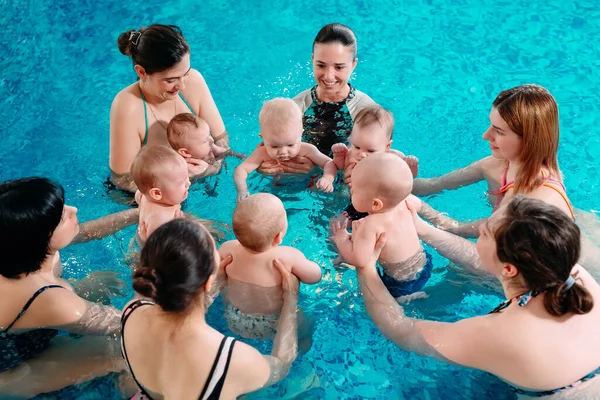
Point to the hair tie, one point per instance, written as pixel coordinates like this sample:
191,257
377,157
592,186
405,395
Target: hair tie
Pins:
134,37
569,283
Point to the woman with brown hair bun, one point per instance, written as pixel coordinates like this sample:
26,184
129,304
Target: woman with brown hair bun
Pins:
543,340
171,351
167,85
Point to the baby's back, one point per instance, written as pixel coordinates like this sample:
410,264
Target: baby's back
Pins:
402,239
253,283
153,215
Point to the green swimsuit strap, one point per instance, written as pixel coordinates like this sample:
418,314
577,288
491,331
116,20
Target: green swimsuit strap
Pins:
186,103
145,118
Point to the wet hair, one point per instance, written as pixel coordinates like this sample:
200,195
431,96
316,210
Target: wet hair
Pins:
256,222
279,113
337,33
180,125
531,112
155,48
30,211
176,261
544,244
150,163
375,114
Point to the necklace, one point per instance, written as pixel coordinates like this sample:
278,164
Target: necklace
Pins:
157,120
152,110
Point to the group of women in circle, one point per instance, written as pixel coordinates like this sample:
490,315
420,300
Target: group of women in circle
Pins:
543,340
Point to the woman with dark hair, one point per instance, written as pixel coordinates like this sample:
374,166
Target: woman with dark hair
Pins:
330,106
37,304
167,86
171,351
543,340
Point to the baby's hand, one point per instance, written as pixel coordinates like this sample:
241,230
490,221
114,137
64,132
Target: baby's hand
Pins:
413,164
339,149
242,195
339,232
326,185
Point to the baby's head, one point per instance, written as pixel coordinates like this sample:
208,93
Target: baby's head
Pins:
260,222
380,182
161,175
190,136
281,128
372,132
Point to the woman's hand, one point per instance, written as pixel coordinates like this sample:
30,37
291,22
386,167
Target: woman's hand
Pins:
348,174
372,263
414,207
225,261
289,281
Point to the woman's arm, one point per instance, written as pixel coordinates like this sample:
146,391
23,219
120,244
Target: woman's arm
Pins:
107,225
463,342
124,141
208,110
285,344
456,249
444,222
453,180
67,311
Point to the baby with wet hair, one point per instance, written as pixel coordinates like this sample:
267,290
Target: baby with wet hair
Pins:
281,130
371,134
253,292
383,196
190,136
161,176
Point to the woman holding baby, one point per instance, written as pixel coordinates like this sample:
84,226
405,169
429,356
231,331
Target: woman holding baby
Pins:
167,85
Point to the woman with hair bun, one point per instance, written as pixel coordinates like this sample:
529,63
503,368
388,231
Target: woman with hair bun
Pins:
171,351
543,340
166,86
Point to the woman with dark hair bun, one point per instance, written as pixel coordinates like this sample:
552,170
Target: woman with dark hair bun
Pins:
171,351
37,304
543,340
167,86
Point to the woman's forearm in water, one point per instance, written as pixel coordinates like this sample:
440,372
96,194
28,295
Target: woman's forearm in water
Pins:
285,344
107,225
455,248
444,222
452,180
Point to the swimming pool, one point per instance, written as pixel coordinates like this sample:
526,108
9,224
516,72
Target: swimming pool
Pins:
436,64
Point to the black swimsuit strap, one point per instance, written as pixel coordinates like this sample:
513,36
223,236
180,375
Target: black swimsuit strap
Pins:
126,313
28,304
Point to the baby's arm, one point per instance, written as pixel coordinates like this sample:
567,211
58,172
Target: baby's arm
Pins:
306,270
250,164
412,161
197,167
329,168
340,152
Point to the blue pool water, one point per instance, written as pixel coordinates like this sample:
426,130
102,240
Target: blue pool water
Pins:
437,64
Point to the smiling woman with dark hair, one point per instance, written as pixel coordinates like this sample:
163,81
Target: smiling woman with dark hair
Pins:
167,86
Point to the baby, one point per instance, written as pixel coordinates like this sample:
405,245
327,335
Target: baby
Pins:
382,195
281,130
190,136
161,176
371,134
253,294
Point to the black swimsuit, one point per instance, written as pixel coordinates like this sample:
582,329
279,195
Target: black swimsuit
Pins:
216,377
